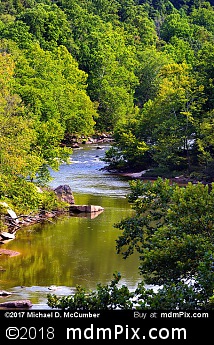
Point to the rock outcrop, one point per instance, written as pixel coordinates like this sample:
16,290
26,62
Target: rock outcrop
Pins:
64,193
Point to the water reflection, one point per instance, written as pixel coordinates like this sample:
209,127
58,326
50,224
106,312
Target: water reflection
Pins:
72,250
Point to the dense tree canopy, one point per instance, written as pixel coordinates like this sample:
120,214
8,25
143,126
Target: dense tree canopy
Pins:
142,70
173,232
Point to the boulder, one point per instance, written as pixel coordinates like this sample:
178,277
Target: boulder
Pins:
64,193
16,304
85,208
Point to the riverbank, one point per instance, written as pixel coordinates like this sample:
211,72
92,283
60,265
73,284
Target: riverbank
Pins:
61,198
76,142
144,175
12,225
64,194
152,175
56,256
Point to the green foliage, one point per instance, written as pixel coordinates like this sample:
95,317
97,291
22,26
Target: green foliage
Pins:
133,150
151,62
204,16
174,90
176,25
53,86
44,101
105,297
17,134
48,24
128,51
173,232
109,297
49,201
170,125
22,195
144,70
110,65
18,32
174,114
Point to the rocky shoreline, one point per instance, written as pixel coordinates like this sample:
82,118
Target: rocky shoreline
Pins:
144,176
64,193
15,223
74,142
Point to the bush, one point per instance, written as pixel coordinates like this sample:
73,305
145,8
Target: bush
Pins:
105,297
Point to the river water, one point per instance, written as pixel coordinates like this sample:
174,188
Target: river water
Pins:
58,255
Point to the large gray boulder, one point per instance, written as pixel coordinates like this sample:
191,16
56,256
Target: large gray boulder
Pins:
64,193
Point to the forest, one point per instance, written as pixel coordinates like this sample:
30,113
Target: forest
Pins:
142,71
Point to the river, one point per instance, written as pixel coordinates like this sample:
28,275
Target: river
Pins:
56,256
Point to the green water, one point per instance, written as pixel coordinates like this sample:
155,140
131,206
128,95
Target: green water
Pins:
58,255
